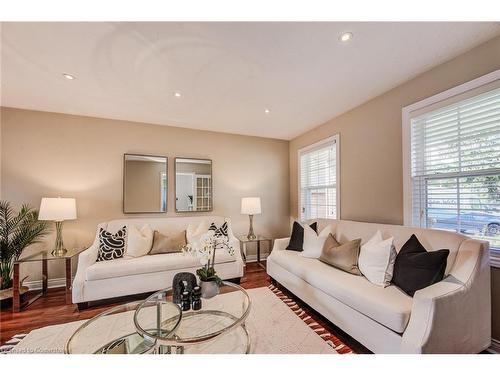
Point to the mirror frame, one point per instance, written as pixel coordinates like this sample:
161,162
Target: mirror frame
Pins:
124,179
211,185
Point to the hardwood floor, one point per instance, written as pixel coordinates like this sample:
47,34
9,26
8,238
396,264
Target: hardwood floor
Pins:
52,309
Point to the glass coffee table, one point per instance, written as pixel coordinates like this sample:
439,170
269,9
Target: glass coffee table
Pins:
157,325
113,331
218,327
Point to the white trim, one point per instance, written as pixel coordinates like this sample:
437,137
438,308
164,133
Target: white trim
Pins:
406,116
52,283
336,139
494,347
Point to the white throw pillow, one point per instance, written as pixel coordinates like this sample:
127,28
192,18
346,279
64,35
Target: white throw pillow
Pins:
194,232
139,242
376,260
313,242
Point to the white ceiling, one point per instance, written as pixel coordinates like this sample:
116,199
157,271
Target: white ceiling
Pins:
228,73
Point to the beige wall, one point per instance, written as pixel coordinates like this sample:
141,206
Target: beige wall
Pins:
371,174
49,154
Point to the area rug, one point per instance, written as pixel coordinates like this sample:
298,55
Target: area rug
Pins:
276,324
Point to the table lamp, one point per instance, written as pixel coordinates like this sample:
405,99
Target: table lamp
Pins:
250,206
58,210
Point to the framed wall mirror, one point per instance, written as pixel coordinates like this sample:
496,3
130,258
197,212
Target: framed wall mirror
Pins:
193,185
144,184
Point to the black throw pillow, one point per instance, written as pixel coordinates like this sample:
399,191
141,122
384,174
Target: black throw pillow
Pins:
416,268
297,236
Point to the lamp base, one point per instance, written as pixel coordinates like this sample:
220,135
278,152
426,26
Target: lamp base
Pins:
59,252
251,235
59,249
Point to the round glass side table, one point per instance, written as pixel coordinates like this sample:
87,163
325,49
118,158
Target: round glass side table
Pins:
114,332
218,327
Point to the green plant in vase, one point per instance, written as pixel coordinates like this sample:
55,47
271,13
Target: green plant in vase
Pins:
17,231
206,249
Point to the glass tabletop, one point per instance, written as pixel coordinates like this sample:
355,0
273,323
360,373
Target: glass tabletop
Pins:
244,238
47,255
114,332
218,315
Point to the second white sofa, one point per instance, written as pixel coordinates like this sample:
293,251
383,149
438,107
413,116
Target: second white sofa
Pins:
451,316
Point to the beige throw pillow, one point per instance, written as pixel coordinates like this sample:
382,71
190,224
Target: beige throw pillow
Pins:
344,257
163,244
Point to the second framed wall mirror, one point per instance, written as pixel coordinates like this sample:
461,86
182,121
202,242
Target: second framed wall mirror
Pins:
193,185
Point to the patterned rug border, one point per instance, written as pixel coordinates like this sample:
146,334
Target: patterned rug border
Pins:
320,329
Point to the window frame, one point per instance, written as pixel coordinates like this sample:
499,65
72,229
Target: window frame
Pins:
406,141
334,138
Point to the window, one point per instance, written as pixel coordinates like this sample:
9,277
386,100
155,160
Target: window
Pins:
318,180
454,164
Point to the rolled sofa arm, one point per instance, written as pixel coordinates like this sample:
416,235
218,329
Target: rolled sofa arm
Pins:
454,315
85,259
281,243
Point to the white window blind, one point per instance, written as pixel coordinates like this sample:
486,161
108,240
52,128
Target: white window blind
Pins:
455,167
318,181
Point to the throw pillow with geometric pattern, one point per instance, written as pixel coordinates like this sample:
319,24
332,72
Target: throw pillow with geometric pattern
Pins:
111,246
220,231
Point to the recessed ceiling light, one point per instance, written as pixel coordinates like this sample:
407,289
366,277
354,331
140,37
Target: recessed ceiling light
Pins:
345,37
177,94
69,76
266,111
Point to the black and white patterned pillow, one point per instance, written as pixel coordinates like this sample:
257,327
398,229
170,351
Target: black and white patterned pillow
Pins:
219,231
111,246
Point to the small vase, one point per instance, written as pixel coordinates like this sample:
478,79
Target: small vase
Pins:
209,289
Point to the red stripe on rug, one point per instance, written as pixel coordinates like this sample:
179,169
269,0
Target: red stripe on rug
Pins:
322,331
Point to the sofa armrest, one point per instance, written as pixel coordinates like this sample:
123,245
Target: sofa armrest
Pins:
281,243
454,315
85,259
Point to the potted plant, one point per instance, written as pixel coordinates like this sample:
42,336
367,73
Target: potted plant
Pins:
205,249
17,231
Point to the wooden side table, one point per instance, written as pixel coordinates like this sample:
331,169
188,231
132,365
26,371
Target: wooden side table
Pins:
43,257
243,246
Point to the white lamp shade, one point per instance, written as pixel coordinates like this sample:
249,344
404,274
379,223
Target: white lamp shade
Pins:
250,206
57,209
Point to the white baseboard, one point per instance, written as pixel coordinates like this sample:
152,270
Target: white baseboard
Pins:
495,346
53,283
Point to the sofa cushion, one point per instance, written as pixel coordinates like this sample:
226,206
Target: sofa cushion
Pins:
111,245
343,257
163,244
297,236
388,306
416,268
149,264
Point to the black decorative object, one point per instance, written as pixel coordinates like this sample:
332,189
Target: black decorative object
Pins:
196,298
416,268
185,301
183,282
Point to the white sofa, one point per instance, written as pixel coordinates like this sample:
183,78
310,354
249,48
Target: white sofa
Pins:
452,316
126,276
